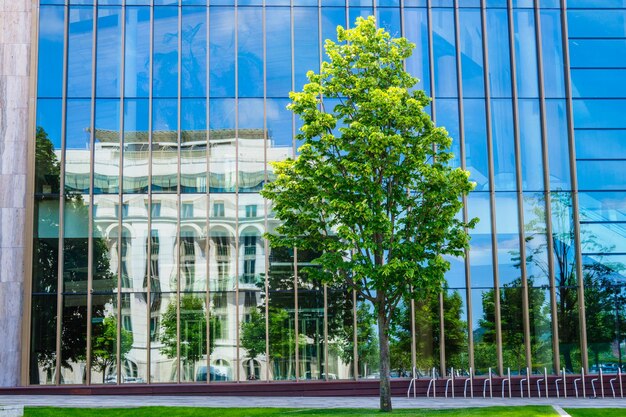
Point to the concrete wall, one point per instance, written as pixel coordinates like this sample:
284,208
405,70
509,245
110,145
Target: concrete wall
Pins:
15,34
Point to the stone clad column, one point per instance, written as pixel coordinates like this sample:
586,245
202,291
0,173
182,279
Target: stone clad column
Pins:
15,36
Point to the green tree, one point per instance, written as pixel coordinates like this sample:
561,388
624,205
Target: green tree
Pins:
193,333
373,190
104,345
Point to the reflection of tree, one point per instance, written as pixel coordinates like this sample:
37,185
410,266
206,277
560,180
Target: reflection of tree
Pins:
104,345
367,340
75,258
193,333
513,351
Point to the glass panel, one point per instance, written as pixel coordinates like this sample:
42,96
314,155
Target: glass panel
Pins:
602,206
416,30
193,336
77,146
598,83
279,125
367,341
552,49
194,52
447,111
503,145
134,242
74,339
540,329
484,330
137,52
354,12
222,286
278,52
104,323
108,59
471,53
427,334
46,245
163,337
43,339
599,113
79,52
331,18
164,145
536,245
250,52
251,144
599,53
340,334
389,19
609,23
499,53
51,27
48,146
525,53
75,243
136,146
444,47
306,48
222,52
476,142
508,238
105,259
107,147
165,52
222,146
194,139
400,341
558,145
600,144
310,319
601,175
481,261
134,328
531,150
193,245
455,331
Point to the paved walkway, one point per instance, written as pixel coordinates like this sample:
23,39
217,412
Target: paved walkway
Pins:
87,401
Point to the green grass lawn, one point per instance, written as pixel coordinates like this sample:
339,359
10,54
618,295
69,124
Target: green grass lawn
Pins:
592,412
530,411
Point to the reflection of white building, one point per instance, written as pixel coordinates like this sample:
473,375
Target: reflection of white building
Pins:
171,243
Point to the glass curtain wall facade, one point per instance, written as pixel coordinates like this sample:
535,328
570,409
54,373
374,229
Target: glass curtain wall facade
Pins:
156,124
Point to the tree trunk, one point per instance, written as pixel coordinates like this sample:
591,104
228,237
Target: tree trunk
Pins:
383,339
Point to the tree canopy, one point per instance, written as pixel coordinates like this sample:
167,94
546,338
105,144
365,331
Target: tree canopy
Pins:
373,190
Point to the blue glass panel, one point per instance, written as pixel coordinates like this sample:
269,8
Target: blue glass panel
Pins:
471,53
250,52
602,206
596,23
79,52
598,53
508,238
108,59
415,3
447,111
599,113
455,276
600,238
136,146
499,56
530,141
279,126
137,53
281,3
51,27
61,2
194,2
481,261
251,114
601,175
222,52
389,19
278,54
49,119
556,120
503,145
469,3
523,3
331,18
444,45
251,142
476,142
164,118
361,3
389,3
598,83
165,70
590,4
333,3
107,147
165,2
551,4
416,30
222,176
305,2
77,147
552,49
306,50
194,52
600,144
442,3
536,243
164,145
525,53
355,12
496,3
138,2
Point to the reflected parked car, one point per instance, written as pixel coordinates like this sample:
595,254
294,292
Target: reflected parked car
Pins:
112,379
217,373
